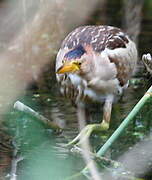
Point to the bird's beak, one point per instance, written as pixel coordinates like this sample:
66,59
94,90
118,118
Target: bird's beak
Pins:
68,68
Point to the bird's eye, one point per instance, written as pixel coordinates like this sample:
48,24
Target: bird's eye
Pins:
63,61
79,63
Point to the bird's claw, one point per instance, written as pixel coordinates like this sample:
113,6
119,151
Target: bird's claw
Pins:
87,131
104,125
82,136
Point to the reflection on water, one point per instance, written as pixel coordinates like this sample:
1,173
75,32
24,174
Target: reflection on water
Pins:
44,152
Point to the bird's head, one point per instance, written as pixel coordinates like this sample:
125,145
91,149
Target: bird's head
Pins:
72,61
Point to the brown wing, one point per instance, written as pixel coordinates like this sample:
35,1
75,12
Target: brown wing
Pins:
99,37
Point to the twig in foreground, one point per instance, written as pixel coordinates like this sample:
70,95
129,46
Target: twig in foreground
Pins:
24,108
16,159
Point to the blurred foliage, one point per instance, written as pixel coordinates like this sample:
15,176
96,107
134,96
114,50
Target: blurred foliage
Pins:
148,9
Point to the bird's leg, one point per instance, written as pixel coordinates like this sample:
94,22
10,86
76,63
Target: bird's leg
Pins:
87,130
107,112
81,115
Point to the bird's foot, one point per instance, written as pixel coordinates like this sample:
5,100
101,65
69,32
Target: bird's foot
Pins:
87,131
104,125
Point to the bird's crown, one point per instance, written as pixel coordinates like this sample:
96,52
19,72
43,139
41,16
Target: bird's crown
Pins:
75,53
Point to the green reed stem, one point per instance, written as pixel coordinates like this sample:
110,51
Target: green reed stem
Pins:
122,126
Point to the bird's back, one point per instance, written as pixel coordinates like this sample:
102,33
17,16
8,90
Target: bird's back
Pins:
99,37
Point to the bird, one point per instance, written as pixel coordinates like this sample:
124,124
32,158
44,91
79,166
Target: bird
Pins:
94,64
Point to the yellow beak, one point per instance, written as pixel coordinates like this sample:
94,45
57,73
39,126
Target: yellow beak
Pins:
68,68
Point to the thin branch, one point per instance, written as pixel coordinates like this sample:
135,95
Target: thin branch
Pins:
24,108
16,159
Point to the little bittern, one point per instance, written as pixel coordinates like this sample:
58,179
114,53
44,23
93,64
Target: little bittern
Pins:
95,62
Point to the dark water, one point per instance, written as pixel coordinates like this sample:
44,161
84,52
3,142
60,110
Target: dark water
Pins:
44,153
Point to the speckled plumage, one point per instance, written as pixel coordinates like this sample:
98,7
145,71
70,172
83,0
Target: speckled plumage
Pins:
111,56
100,37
